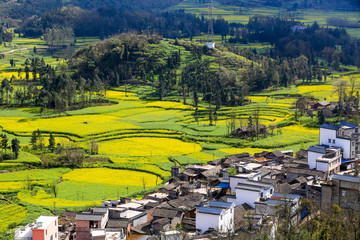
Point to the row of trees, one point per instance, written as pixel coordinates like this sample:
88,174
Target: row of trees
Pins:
14,147
106,22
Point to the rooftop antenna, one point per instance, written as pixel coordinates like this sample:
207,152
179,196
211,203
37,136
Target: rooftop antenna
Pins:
210,38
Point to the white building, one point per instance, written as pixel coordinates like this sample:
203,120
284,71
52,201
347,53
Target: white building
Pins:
44,228
251,191
344,136
335,143
242,178
270,206
324,158
218,215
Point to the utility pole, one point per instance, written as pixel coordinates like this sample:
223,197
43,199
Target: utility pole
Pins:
210,38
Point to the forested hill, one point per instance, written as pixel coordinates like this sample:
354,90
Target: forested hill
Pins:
22,9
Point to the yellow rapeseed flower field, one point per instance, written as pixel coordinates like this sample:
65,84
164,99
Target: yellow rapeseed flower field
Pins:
121,95
43,199
11,186
242,150
148,146
11,213
318,91
167,104
111,176
80,125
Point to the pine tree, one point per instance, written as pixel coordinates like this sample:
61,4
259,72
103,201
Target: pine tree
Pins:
34,140
51,143
15,147
4,142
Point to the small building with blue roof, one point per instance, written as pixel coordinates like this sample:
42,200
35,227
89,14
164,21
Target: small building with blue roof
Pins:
217,215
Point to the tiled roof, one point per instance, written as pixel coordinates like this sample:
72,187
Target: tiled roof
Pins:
317,148
328,126
208,210
217,204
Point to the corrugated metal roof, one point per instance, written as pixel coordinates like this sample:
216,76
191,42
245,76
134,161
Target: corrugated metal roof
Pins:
209,210
217,204
346,124
328,126
346,178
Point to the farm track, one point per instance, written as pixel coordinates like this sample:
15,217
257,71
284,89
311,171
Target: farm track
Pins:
22,49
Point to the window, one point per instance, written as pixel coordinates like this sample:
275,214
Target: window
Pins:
343,193
55,222
353,143
329,140
262,195
333,141
45,232
271,191
220,217
51,237
353,152
55,235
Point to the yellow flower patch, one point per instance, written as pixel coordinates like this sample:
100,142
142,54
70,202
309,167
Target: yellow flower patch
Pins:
148,146
43,199
111,176
80,125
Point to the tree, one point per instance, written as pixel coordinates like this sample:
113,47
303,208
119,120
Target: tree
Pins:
340,88
40,139
51,143
4,142
321,117
33,140
94,147
231,171
15,147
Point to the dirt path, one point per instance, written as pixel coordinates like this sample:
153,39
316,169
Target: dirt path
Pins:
22,49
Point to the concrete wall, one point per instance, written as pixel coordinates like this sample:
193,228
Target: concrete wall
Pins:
325,135
140,220
312,156
245,196
50,232
234,182
205,221
226,222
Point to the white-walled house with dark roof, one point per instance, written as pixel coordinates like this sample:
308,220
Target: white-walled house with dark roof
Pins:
250,191
217,215
335,143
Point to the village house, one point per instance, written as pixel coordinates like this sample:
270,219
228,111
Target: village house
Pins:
250,191
271,205
87,220
344,136
341,190
217,215
324,158
44,228
337,145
